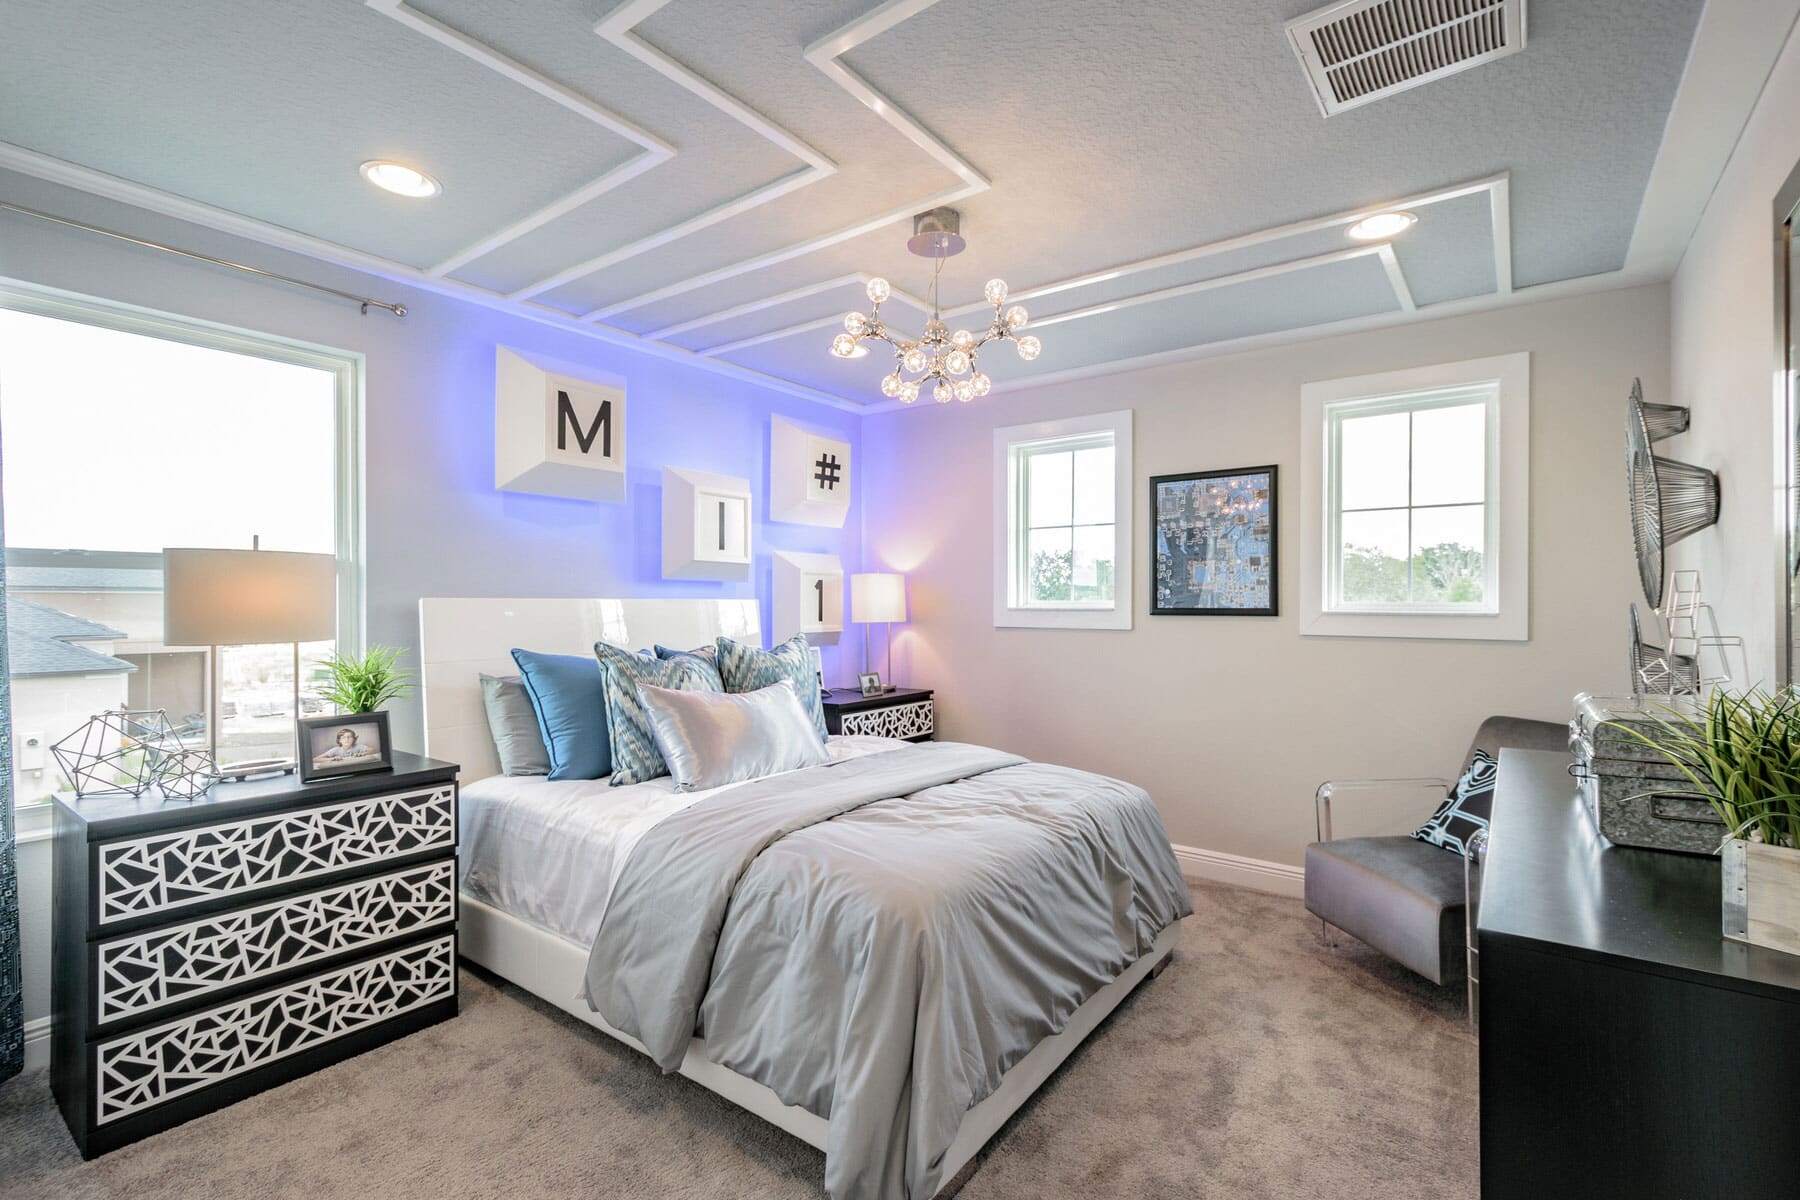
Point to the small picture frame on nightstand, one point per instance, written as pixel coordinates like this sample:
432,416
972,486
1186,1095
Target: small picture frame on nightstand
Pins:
870,683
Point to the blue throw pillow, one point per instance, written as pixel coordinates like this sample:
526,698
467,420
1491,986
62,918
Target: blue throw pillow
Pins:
747,669
568,694
635,757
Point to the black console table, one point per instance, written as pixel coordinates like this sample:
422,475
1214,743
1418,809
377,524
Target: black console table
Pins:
1628,1049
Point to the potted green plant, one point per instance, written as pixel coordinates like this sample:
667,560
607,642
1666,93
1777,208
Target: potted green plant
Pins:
363,683
1741,751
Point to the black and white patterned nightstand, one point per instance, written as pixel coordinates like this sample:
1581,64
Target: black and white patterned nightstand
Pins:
208,949
902,713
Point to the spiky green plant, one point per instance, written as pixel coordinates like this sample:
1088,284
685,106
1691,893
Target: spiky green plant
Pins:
362,684
1742,753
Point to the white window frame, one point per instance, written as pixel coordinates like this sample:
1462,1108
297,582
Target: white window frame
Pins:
1504,614
1010,442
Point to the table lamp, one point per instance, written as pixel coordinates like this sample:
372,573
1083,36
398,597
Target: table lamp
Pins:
252,597
879,596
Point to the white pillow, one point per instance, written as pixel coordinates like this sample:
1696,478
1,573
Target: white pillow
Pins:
710,739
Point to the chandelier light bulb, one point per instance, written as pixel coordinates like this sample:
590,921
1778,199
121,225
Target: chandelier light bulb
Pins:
1029,347
1016,316
843,345
995,291
980,384
915,360
890,386
965,391
943,392
909,392
957,362
962,339
878,290
855,323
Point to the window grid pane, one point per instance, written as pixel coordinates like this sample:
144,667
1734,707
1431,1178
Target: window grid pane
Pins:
1065,560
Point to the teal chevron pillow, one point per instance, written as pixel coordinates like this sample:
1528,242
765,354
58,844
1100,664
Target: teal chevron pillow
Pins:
635,757
745,669
704,658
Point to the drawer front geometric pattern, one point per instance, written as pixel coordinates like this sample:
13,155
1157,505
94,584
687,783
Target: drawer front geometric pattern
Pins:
154,874
895,721
183,962
146,1068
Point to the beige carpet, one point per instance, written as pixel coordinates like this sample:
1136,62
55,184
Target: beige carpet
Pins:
1259,1065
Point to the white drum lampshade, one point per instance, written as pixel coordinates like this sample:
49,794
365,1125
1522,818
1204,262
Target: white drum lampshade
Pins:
219,598
878,596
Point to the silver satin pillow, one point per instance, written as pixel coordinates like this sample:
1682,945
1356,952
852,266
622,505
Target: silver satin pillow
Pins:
710,739
517,739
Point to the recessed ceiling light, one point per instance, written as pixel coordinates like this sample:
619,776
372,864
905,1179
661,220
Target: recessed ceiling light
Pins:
1382,226
400,179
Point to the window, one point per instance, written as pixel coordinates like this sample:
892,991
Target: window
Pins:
125,432
1421,482
1063,523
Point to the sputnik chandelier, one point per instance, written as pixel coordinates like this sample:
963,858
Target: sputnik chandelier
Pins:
948,358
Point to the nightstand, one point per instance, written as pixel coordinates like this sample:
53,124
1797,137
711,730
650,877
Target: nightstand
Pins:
902,713
207,949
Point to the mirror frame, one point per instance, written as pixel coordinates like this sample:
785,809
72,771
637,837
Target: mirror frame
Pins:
1786,385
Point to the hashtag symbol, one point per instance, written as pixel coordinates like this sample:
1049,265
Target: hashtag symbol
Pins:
827,474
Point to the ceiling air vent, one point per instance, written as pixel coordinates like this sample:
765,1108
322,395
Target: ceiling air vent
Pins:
1362,50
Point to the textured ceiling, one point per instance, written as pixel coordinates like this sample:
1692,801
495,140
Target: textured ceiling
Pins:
599,158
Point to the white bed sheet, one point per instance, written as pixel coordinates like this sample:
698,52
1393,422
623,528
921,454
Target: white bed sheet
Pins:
549,852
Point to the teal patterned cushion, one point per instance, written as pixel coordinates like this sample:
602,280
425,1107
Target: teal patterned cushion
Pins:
745,669
635,757
704,658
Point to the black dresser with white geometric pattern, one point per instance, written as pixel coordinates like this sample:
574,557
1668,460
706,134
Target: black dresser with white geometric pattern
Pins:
208,949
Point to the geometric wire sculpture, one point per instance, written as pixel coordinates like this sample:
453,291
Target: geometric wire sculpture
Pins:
1670,500
1694,633
1655,670
183,772
115,753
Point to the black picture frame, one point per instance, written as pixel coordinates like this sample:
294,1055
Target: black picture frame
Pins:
1157,482
869,683
357,723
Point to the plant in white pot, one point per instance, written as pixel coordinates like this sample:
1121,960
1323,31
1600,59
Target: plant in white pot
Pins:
1742,753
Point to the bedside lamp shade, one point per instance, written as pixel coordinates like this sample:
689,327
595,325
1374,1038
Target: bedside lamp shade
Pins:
877,598
247,597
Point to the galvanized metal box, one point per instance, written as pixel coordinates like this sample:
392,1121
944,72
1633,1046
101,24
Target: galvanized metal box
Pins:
1635,796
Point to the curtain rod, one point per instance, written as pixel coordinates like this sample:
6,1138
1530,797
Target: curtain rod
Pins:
399,310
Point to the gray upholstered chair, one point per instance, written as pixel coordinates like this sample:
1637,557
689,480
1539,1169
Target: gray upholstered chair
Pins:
1407,898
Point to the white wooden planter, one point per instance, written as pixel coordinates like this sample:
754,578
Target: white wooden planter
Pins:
1762,894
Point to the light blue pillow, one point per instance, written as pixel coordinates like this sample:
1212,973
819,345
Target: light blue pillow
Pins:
635,757
568,695
746,669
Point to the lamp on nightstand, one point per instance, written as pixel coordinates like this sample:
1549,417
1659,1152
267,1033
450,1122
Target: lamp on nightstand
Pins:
879,596
219,598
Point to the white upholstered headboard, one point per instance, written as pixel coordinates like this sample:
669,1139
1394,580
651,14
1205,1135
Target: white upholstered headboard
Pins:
460,639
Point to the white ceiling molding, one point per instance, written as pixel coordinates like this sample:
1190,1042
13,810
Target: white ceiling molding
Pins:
125,191
813,326
825,55
1735,48
653,150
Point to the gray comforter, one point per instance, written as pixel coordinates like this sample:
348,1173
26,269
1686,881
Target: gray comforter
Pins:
878,940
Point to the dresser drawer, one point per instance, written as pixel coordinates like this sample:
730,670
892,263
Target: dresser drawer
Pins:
143,972
166,872
895,721
141,1070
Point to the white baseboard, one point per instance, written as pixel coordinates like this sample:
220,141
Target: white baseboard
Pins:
37,1043
1215,866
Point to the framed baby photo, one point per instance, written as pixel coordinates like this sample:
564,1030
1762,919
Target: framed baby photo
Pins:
331,747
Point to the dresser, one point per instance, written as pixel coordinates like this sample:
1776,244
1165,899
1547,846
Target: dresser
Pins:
208,949
902,713
1628,1049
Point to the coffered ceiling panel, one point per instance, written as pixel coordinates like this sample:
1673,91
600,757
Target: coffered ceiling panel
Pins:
722,176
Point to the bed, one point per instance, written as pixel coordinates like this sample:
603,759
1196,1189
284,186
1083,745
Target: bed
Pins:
545,864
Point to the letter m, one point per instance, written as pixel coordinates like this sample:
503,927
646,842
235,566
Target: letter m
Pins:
566,420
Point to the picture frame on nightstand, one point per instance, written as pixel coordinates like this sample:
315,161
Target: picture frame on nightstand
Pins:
869,682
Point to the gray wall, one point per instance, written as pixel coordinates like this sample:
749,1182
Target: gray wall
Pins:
1232,722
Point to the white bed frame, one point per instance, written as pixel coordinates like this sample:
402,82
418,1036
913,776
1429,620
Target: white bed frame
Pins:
460,639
